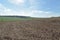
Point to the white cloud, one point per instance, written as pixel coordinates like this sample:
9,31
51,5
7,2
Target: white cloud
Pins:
7,11
17,2
38,13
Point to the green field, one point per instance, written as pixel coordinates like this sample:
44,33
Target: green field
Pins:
13,18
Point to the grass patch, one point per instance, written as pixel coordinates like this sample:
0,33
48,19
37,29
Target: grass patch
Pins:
13,19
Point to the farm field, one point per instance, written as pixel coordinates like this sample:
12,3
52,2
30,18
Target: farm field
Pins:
35,29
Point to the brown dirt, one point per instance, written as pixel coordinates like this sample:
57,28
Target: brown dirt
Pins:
45,29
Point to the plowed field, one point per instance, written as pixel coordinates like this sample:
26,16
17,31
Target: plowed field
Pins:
36,29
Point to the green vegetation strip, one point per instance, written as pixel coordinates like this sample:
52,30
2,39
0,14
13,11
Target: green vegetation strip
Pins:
13,19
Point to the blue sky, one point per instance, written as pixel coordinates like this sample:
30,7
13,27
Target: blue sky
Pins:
34,8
